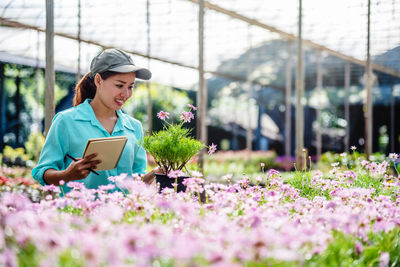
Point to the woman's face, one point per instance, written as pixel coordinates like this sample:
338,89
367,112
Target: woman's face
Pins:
115,90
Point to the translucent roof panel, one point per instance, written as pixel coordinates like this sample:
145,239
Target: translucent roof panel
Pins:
173,31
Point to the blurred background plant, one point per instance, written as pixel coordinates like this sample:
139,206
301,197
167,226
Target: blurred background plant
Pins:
162,98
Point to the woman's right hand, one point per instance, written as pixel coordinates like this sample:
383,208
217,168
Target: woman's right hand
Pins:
80,169
77,170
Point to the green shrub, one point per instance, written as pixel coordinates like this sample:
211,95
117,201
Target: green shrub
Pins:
341,251
172,147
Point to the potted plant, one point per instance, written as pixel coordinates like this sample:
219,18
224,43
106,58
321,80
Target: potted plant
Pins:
172,148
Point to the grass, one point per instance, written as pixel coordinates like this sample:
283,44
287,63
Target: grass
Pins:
341,251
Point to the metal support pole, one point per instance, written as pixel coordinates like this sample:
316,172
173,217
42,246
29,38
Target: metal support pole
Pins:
319,93
288,94
392,120
78,73
368,103
299,95
49,73
149,99
347,105
37,113
2,107
249,131
17,99
202,90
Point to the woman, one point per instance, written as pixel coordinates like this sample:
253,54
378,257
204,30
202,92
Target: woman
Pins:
98,100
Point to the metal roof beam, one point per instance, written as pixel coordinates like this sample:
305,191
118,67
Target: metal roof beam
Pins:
293,37
17,24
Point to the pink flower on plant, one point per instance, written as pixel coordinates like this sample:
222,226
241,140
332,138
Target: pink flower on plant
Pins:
384,259
187,116
163,115
227,177
358,247
191,106
212,148
51,188
175,174
271,173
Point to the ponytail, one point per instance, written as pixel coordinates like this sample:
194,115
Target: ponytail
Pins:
86,88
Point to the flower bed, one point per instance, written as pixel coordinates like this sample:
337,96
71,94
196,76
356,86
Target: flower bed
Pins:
344,217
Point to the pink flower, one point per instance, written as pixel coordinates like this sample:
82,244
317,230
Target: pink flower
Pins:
51,188
384,259
62,182
212,148
358,247
191,106
163,115
196,174
271,173
227,177
175,174
187,116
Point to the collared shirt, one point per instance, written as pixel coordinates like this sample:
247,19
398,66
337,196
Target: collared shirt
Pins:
69,133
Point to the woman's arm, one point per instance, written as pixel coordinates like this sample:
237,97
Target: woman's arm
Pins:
77,170
149,177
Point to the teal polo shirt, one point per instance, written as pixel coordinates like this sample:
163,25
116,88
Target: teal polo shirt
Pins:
69,133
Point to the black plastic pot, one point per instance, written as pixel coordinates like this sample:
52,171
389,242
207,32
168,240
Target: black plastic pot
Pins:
164,181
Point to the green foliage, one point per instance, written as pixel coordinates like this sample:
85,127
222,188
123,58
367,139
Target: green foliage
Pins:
272,262
172,147
301,180
350,160
162,216
34,145
238,163
367,181
162,98
70,258
28,256
341,251
72,210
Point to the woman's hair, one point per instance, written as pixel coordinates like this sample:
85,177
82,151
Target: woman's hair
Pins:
86,88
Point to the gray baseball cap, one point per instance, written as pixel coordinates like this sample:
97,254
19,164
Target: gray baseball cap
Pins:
117,60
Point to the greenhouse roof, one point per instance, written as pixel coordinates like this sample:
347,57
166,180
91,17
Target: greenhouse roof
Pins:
165,36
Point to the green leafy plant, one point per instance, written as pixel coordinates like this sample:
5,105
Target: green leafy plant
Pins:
173,147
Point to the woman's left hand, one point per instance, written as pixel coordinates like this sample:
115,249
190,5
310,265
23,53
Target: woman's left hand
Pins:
149,177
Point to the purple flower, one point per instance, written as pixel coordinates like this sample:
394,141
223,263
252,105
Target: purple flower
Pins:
212,148
187,116
163,115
